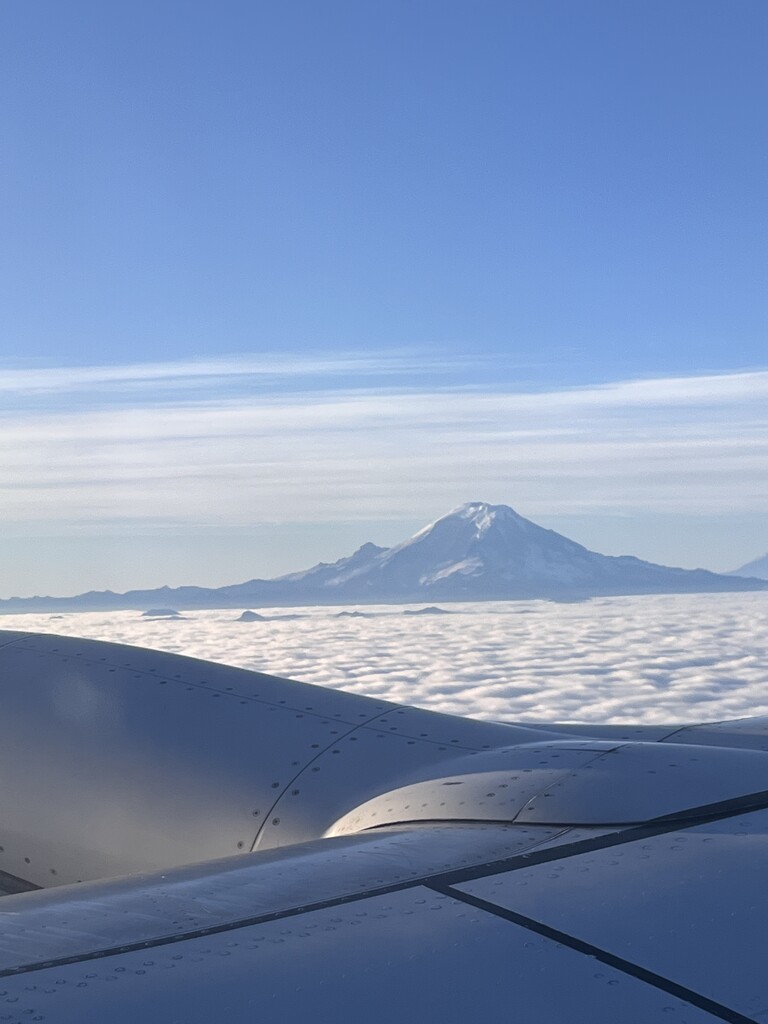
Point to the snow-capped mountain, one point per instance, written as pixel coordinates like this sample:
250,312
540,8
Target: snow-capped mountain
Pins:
757,569
481,551
477,552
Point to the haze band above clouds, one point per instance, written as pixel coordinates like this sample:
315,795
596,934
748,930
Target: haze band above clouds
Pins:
281,439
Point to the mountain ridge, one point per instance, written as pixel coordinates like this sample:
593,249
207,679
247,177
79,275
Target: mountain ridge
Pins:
476,552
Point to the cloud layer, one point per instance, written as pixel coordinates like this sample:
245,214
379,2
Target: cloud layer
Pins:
660,659
233,442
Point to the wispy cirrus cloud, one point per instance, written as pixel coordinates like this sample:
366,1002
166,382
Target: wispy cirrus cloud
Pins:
705,389
221,372
334,450
215,373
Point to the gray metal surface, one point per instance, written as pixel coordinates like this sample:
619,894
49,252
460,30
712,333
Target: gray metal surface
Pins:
492,786
10,885
111,764
411,955
78,920
404,745
691,905
598,731
114,759
641,781
595,782
745,733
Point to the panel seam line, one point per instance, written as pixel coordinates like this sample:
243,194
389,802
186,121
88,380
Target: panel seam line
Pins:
633,970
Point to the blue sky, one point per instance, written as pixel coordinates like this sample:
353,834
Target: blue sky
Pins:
280,278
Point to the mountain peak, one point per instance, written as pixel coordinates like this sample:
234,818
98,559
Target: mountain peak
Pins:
482,513
477,508
757,569
477,552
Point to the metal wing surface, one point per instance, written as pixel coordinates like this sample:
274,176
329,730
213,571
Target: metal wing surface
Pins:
188,842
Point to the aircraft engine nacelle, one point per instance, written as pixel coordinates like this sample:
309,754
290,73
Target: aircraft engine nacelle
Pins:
115,759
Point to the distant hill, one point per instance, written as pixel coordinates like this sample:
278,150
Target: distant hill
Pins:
757,569
478,552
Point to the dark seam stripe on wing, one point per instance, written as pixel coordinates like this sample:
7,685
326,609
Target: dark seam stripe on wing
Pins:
11,885
697,816
17,639
665,825
609,959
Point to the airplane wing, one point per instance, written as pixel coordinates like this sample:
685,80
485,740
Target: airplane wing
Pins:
188,842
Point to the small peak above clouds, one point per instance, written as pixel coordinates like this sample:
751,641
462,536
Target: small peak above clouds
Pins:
756,570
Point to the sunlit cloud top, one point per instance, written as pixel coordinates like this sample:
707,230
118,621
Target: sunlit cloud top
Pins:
654,659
